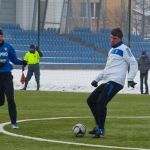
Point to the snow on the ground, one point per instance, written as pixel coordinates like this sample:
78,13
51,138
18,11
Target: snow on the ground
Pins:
68,80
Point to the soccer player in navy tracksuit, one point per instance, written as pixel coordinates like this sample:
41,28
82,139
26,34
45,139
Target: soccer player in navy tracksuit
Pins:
7,54
120,59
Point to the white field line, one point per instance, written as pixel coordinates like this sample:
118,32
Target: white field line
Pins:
2,130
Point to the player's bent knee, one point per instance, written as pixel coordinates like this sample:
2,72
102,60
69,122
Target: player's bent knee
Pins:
2,102
89,101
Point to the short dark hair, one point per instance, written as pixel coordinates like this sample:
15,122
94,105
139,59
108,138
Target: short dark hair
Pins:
1,32
143,53
117,32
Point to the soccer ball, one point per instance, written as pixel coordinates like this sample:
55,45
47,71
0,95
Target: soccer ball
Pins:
79,130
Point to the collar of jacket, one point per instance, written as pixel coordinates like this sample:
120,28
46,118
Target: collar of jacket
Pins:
118,44
1,44
33,52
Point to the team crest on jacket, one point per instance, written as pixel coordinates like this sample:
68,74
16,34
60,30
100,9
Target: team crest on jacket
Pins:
5,49
4,53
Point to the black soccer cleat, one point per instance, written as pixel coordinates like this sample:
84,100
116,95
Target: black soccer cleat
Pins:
93,131
99,133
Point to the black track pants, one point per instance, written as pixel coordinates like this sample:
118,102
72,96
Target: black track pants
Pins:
99,99
144,79
6,88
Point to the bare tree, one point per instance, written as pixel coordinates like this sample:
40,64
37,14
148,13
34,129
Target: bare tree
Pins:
141,12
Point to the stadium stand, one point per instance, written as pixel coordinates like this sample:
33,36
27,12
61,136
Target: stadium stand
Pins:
60,49
56,48
100,40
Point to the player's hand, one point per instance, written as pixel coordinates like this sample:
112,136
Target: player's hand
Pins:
1,64
23,68
131,84
37,48
94,83
24,63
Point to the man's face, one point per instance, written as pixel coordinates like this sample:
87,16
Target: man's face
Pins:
115,40
32,49
143,56
1,39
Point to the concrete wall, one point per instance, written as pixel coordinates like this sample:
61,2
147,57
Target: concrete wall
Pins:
113,14
8,11
53,14
24,13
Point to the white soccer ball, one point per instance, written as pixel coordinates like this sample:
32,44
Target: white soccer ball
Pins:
79,130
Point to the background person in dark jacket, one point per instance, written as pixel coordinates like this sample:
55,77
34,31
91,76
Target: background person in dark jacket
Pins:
7,54
144,65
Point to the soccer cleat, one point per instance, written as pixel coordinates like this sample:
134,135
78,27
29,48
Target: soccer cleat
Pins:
15,126
94,130
99,134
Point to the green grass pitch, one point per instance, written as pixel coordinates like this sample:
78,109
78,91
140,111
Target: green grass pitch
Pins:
127,132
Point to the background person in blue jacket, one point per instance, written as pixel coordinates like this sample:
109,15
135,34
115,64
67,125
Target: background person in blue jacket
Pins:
7,54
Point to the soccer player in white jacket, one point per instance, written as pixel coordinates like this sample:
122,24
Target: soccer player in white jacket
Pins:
120,61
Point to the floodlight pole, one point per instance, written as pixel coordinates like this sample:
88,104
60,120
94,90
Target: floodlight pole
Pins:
129,23
38,24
